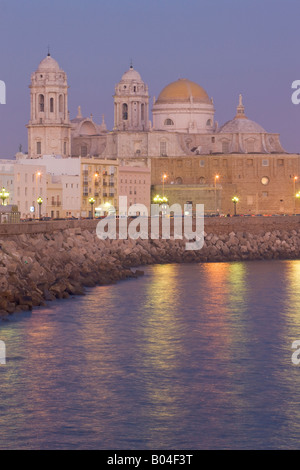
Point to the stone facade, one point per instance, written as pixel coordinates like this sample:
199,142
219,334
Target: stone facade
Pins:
204,162
263,183
49,128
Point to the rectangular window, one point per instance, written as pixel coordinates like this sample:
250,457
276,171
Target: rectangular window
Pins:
202,163
163,149
39,148
280,162
265,162
225,146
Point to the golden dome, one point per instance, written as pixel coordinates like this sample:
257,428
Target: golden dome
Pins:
182,91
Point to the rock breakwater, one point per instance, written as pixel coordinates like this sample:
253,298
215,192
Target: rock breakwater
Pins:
37,268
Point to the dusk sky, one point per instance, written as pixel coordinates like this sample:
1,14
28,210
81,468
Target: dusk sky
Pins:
226,46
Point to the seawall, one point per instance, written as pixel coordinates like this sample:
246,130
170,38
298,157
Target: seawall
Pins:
43,261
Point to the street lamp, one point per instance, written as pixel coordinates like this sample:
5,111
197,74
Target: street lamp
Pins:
294,181
297,196
216,179
92,202
40,202
164,177
235,200
4,195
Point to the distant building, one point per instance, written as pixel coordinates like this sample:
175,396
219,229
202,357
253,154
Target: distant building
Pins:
9,214
99,180
135,184
203,162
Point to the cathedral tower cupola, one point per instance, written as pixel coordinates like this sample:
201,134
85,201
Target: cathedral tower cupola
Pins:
131,103
49,125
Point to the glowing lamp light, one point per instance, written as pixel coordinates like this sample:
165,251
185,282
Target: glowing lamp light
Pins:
92,202
160,199
4,195
235,200
40,202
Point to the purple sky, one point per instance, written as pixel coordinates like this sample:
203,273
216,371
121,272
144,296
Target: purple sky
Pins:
227,46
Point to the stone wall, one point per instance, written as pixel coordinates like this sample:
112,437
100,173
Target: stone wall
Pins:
211,224
59,259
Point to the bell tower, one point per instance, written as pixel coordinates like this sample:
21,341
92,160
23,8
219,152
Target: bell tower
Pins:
49,128
131,103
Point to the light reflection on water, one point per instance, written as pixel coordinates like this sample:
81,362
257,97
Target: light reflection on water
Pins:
187,357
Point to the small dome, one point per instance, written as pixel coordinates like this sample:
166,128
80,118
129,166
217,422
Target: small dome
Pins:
183,90
242,126
130,75
48,65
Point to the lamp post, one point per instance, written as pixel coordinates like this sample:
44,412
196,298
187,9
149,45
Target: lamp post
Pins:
235,200
164,177
294,193
163,200
4,195
40,202
92,202
297,196
216,179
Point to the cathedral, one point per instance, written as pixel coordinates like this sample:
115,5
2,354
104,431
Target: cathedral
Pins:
191,158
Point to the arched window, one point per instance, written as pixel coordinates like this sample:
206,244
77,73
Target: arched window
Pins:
124,112
61,103
142,111
169,122
51,105
41,103
209,122
201,180
178,180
